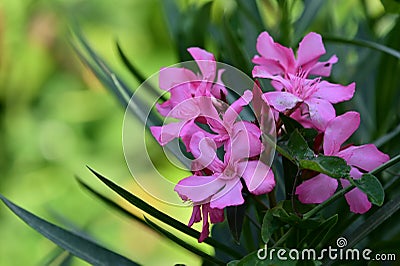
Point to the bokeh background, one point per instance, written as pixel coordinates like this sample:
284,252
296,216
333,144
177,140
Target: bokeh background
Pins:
56,118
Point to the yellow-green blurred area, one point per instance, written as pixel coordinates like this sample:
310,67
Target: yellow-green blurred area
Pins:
56,118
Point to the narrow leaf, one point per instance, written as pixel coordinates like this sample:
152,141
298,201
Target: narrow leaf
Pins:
364,43
111,203
235,216
183,244
78,246
142,205
316,237
371,186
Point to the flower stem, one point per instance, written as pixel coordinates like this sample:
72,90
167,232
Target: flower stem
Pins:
319,207
284,237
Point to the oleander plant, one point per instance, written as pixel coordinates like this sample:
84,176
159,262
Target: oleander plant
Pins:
285,125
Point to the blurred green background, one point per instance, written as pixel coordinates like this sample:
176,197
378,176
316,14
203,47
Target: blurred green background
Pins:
56,118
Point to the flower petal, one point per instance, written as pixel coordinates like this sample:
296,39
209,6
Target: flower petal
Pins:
357,200
339,130
170,77
204,151
196,215
321,112
199,188
317,189
230,195
334,93
166,133
205,61
310,50
218,89
236,107
366,157
205,230
281,101
268,49
266,68
323,68
258,176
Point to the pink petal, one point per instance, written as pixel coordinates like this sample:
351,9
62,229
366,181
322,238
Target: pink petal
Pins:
321,112
171,76
310,50
216,215
185,110
204,151
198,189
334,93
205,61
357,200
366,157
323,68
218,89
258,176
274,51
236,107
339,130
207,108
317,189
179,94
266,67
281,101
205,231
196,215
239,147
166,133
230,195
189,130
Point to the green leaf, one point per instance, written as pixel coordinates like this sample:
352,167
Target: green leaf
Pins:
371,186
298,148
391,6
111,203
317,236
371,223
311,7
77,245
147,208
290,123
183,244
253,259
235,216
269,226
332,166
136,73
305,158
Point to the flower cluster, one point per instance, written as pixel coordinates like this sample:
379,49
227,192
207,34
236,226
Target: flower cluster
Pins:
226,150
309,101
196,101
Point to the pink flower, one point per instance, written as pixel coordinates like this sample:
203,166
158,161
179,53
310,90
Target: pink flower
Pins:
313,97
362,158
187,112
290,78
223,187
279,60
203,212
183,84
